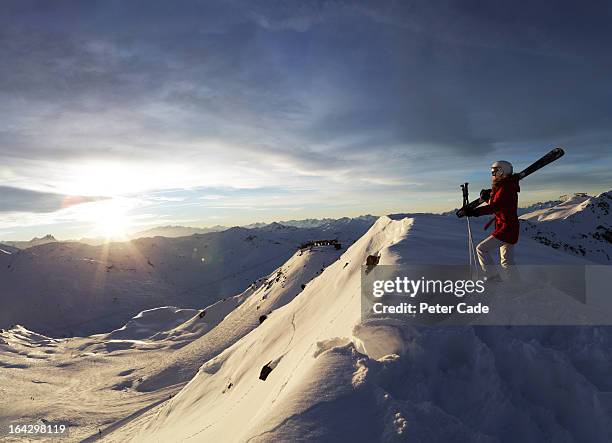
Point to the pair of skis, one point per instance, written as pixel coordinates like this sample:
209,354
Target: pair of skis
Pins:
550,157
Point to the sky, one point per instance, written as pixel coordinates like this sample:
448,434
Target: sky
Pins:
117,116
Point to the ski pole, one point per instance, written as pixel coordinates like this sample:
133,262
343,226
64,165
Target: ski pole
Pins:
471,248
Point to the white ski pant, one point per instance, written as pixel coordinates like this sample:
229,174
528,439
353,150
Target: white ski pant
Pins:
484,249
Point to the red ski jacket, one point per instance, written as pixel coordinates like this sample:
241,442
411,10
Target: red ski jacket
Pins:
503,203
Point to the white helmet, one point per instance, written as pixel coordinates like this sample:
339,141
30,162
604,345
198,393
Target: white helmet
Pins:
501,168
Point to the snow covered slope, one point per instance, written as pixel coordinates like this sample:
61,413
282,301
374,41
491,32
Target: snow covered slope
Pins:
538,206
95,382
7,249
313,371
151,321
581,225
68,288
255,306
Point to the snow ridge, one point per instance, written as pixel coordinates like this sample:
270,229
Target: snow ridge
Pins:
290,359
306,372
581,225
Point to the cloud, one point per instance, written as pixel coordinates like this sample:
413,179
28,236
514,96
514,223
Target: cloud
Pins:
331,96
24,200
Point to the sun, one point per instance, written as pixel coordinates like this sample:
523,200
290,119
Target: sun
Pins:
110,220
113,225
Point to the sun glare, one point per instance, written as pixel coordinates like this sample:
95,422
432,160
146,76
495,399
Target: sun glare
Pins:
113,225
110,219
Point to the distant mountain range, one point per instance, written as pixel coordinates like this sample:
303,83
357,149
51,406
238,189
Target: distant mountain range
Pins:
581,225
314,222
184,231
36,241
176,231
97,287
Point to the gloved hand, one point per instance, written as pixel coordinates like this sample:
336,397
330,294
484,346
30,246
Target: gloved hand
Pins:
467,212
485,195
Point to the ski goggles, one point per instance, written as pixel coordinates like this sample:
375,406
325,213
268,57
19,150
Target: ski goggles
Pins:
496,170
